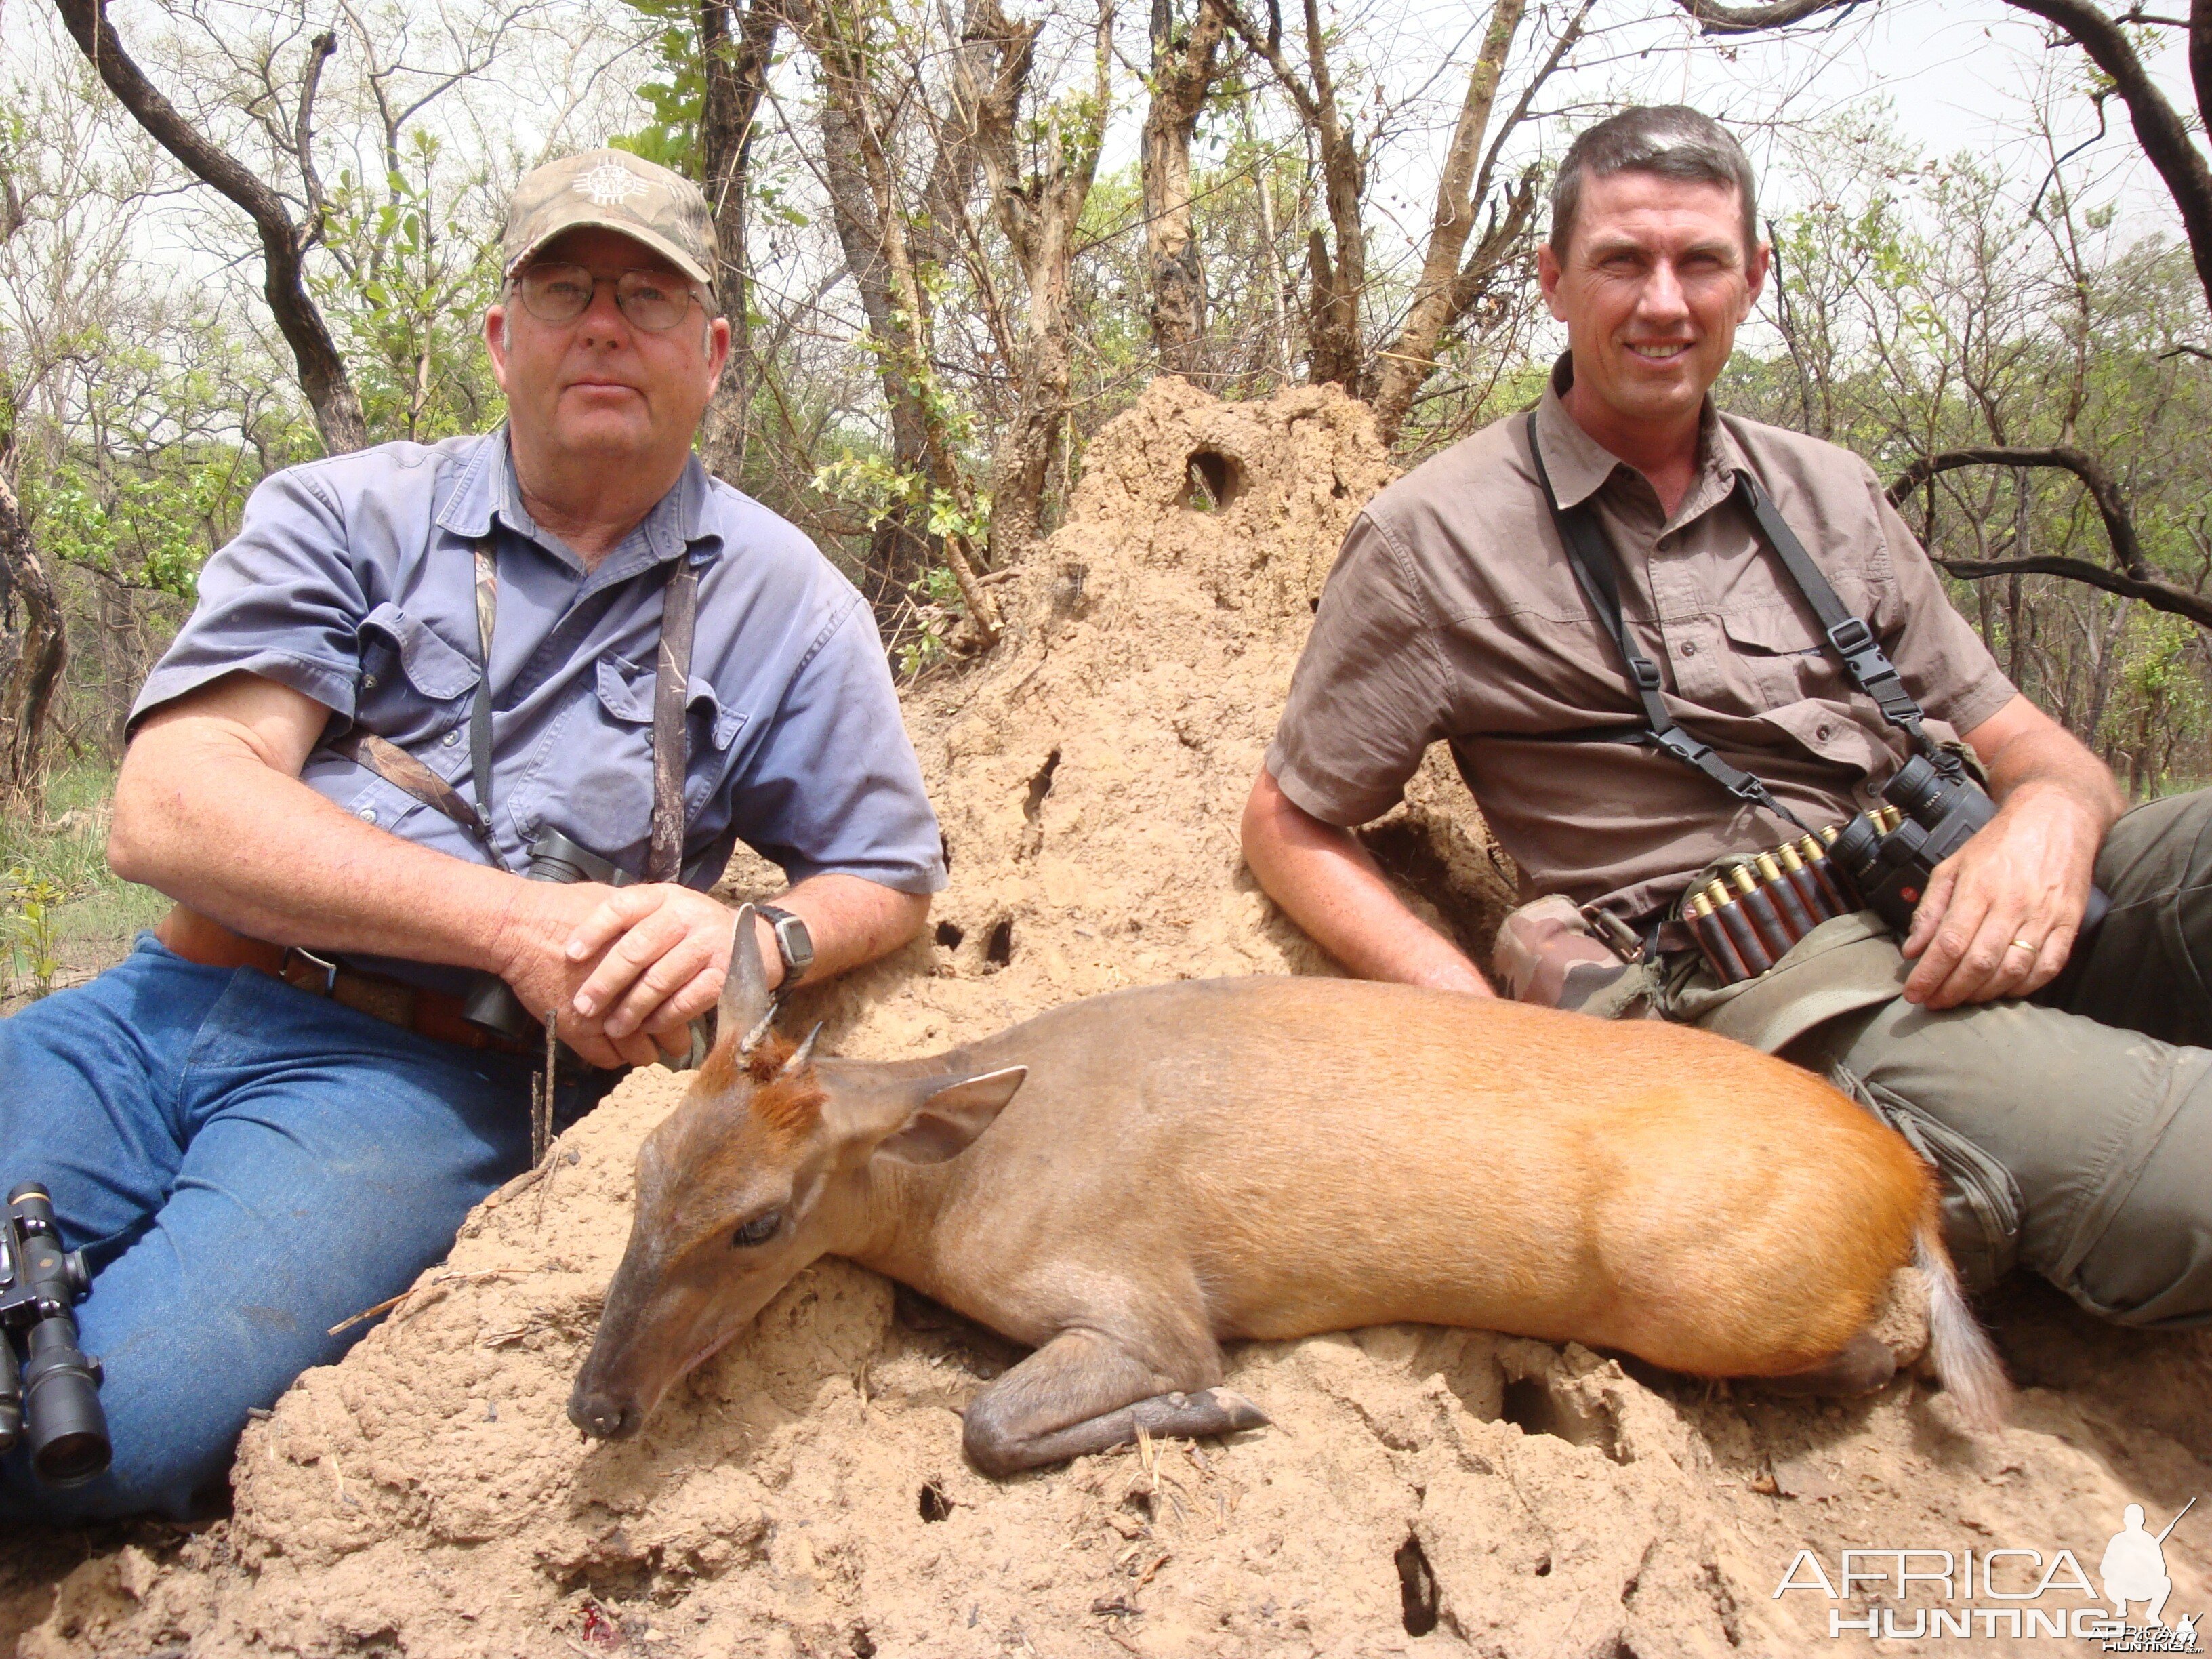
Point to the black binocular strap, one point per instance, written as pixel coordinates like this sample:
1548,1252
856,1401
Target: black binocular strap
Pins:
1591,560
671,743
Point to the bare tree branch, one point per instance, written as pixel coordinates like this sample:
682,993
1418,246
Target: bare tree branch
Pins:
2159,127
2158,595
2111,507
322,372
1715,19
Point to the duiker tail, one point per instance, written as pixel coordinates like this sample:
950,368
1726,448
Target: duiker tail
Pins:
1965,1358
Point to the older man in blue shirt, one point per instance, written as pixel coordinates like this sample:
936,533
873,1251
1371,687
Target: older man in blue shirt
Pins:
413,667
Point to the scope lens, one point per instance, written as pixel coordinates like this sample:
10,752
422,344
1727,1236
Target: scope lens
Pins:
71,1459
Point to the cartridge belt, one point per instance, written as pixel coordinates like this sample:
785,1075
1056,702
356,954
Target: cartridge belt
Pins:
416,1008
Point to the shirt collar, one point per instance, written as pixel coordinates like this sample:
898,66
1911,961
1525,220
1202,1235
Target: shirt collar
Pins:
488,489
1579,465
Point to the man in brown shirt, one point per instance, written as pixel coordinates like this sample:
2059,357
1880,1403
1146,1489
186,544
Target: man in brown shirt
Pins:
1453,614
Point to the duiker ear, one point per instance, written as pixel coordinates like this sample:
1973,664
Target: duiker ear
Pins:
951,1115
745,988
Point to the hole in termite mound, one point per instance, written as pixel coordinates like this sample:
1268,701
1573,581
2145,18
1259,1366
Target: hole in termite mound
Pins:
934,1504
1417,1587
1211,480
1139,1503
864,1646
998,949
1040,787
1534,1407
949,934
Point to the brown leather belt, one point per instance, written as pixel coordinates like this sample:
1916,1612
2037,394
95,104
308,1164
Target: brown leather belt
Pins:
412,1008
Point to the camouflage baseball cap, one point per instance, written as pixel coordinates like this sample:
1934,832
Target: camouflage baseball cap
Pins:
614,190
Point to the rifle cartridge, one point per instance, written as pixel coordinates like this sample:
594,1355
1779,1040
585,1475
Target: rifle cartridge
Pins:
1809,890
1741,933
1814,852
1758,906
1796,916
1712,938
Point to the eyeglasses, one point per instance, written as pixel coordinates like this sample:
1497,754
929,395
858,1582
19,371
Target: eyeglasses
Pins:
654,300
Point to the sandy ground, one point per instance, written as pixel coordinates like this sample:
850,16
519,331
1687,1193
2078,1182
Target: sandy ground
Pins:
1421,1491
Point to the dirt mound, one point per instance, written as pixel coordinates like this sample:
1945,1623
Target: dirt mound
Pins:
804,1492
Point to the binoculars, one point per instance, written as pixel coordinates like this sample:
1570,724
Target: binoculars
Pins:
1880,861
49,1397
491,1003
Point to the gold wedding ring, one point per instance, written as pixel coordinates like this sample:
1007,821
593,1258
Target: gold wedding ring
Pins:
2022,944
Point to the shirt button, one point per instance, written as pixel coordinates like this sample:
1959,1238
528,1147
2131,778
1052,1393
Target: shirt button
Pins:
453,737
369,682
368,815
1689,648
1821,733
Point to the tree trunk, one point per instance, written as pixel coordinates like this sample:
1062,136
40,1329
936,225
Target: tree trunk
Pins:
899,554
1436,306
1183,73
1039,216
1335,346
736,71
32,652
322,372
841,47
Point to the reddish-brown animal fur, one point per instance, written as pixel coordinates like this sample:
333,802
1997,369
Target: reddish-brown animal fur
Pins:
1127,1181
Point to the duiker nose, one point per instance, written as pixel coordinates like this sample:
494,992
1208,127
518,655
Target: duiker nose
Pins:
601,1417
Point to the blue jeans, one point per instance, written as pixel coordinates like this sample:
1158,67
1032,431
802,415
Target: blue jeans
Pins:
244,1165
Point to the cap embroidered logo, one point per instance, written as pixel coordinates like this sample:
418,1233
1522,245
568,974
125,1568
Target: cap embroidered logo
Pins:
609,184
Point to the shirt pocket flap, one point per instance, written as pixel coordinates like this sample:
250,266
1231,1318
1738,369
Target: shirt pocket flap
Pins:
432,667
626,693
1772,631
625,690
724,724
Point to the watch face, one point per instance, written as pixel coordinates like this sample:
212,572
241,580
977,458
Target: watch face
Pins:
796,943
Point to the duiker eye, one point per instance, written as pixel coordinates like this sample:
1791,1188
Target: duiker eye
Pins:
761,1229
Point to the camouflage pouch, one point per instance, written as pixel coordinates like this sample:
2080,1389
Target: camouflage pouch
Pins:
1550,953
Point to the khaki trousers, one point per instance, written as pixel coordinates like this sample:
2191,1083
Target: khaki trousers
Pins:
2075,1140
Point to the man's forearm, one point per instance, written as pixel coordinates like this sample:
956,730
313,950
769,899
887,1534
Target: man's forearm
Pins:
1329,885
850,919
200,817
2052,762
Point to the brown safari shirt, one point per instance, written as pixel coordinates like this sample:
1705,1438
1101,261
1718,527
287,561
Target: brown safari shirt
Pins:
1453,614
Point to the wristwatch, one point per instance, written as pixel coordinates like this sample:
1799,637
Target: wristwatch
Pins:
793,942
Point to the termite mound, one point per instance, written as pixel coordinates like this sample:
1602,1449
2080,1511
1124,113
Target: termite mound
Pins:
1425,1491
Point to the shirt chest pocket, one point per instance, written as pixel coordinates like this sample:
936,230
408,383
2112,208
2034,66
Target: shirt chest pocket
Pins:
608,788
1776,656
414,685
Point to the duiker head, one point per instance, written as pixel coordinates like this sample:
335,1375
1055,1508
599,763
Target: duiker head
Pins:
765,1166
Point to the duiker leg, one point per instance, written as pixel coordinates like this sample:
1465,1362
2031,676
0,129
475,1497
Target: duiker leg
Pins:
1863,1363
1083,1393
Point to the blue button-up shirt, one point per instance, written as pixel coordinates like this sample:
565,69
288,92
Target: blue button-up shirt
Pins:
352,580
